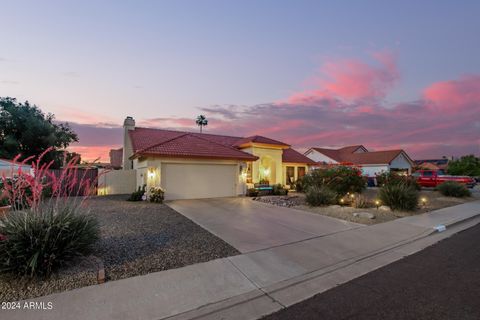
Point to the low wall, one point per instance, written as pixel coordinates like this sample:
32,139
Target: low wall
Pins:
116,182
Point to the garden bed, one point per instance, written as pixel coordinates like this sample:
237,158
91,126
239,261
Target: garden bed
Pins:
435,201
136,238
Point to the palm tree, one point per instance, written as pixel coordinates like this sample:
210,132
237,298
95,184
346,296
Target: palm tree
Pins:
201,121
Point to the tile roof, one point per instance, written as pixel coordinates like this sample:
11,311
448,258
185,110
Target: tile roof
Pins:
292,156
169,143
348,155
189,145
261,140
339,154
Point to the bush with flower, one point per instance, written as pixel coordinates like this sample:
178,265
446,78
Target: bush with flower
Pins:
49,223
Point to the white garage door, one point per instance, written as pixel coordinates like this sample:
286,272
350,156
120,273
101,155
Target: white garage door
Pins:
195,181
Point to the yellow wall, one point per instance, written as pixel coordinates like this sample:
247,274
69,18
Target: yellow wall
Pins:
275,155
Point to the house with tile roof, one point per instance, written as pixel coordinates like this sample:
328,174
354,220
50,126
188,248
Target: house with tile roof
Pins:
190,165
370,162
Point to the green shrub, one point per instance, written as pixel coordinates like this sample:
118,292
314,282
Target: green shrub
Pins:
394,178
361,202
3,201
318,196
137,195
279,190
252,192
299,185
341,179
157,195
453,189
36,242
399,196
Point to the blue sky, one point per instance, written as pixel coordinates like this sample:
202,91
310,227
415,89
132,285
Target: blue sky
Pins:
95,62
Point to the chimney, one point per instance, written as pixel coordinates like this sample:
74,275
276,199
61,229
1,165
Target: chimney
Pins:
128,124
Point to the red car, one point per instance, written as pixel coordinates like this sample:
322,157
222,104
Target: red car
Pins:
430,178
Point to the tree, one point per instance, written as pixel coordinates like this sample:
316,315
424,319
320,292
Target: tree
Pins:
466,165
201,121
26,130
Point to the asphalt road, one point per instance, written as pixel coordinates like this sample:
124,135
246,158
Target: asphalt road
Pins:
440,282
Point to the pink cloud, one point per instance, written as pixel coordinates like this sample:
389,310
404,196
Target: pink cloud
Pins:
454,95
351,80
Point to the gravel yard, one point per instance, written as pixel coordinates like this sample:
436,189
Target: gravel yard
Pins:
142,237
136,238
434,201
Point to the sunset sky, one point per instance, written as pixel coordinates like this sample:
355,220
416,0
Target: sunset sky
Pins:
385,74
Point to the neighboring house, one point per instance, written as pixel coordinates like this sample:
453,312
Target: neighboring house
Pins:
116,158
192,165
370,162
440,165
8,166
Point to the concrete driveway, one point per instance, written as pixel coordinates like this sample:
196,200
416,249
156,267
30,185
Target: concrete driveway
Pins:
249,225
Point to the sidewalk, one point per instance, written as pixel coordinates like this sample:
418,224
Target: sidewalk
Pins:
250,285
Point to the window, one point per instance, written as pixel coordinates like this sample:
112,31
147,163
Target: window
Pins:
290,175
300,172
249,172
428,173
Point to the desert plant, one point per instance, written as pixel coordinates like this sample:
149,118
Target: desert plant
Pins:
299,185
157,195
361,202
320,195
453,189
138,195
39,241
341,179
399,196
42,233
252,192
279,190
394,178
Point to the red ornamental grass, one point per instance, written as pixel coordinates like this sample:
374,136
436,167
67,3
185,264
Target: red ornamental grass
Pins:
28,189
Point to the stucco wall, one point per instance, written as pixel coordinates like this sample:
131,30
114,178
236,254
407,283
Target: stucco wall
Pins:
275,155
116,182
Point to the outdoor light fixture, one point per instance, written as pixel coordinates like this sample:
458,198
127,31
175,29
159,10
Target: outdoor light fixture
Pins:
352,196
342,202
377,203
151,173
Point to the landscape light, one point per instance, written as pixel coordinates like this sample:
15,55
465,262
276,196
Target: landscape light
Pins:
424,201
377,203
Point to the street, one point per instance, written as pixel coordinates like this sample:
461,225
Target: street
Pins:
440,282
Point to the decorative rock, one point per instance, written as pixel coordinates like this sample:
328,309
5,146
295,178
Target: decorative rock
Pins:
384,208
366,215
